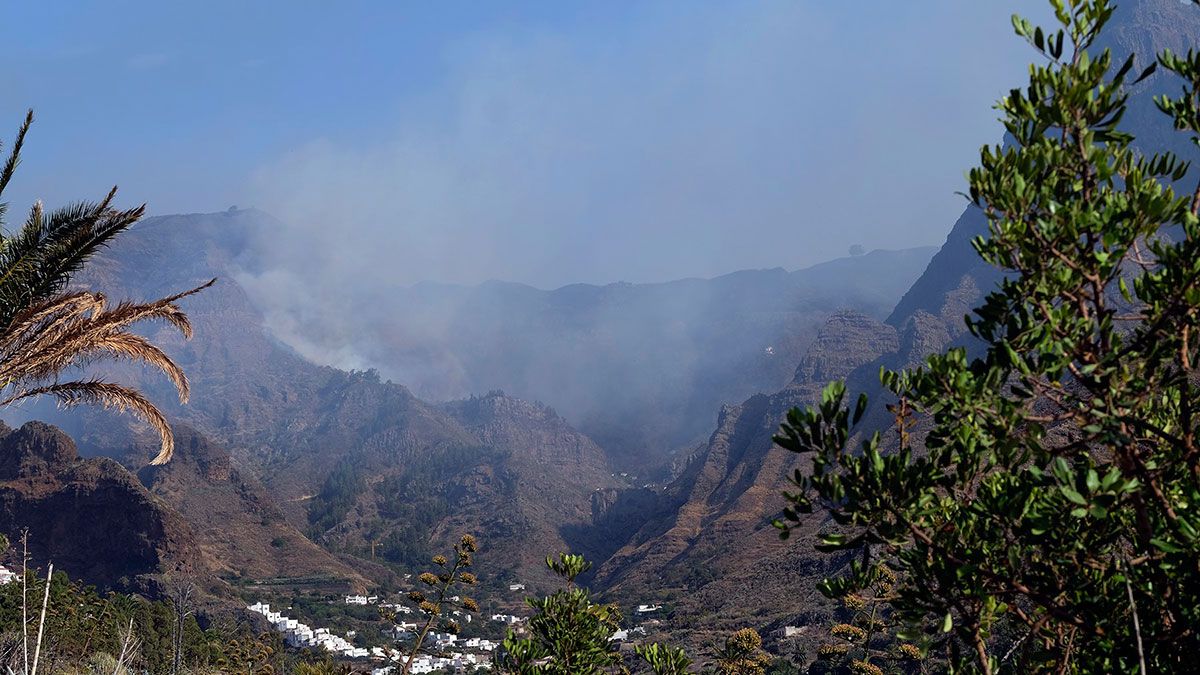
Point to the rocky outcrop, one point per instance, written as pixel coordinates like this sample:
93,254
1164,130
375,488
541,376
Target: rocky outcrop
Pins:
846,341
90,517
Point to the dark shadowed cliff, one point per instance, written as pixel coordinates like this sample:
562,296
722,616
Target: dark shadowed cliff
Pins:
90,517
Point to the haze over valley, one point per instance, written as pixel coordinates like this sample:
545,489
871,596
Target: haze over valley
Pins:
526,316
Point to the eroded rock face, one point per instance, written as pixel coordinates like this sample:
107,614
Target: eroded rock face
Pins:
540,486
90,517
847,340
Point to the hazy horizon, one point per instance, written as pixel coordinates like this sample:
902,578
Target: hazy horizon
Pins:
538,143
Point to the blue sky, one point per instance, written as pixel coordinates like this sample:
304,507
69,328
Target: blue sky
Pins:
543,142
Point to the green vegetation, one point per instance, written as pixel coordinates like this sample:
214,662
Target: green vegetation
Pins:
1049,518
408,506
568,633
84,628
411,507
664,659
337,496
88,632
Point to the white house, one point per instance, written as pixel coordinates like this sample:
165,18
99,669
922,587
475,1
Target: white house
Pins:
299,635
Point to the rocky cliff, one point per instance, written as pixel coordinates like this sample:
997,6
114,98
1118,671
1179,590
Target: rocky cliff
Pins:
90,517
711,548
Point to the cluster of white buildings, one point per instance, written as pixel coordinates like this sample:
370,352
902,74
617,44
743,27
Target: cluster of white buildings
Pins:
625,634
300,635
425,663
453,656
480,644
362,599
507,619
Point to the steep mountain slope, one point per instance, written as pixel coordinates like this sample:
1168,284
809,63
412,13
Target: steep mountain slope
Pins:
511,472
91,518
362,465
640,368
709,545
553,471
238,527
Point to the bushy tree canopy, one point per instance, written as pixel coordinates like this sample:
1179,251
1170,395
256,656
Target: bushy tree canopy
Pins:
1044,512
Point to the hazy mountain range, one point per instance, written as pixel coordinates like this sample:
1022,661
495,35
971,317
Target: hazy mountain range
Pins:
287,451
335,467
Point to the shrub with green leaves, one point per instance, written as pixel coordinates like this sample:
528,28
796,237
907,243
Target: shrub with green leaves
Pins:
664,659
1047,515
568,633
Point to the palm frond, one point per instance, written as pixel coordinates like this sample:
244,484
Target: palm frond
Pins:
106,395
78,329
73,235
44,332
129,346
38,261
127,313
64,305
14,155
44,336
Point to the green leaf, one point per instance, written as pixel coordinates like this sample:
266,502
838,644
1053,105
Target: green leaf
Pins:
1072,495
859,408
1166,546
